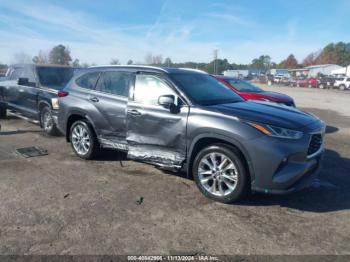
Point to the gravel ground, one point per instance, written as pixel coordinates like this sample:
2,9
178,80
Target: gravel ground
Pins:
60,204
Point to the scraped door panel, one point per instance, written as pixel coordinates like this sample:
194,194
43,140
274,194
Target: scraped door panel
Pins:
155,134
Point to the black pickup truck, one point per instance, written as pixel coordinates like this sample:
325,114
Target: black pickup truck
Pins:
31,92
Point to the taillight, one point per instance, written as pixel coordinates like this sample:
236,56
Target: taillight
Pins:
62,93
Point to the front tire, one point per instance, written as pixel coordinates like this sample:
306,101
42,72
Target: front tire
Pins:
342,87
220,173
3,113
47,122
83,140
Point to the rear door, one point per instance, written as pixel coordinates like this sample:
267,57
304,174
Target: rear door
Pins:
110,98
154,133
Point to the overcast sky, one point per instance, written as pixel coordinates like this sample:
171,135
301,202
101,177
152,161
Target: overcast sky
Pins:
184,30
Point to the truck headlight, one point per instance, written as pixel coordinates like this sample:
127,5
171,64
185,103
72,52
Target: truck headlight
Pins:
55,103
275,131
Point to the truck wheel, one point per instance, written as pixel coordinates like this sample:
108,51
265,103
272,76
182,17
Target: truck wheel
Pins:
47,122
220,174
3,112
83,140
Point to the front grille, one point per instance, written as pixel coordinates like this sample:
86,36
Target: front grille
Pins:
315,144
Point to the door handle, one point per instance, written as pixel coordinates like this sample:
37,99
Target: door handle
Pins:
93,99
134,112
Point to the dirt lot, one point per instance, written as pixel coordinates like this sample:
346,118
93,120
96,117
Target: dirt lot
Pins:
59,204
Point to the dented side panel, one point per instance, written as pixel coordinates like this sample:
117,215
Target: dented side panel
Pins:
157,135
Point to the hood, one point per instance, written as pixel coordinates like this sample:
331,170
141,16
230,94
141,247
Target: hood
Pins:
274,96
266,113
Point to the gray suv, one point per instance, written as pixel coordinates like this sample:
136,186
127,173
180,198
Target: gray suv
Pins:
186,119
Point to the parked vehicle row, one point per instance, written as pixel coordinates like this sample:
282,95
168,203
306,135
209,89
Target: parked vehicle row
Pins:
182,119
325,82
342,83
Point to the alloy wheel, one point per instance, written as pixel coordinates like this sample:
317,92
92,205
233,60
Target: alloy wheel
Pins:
81,139
47,121
218,174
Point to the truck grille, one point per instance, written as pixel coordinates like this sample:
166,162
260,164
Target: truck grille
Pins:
315,144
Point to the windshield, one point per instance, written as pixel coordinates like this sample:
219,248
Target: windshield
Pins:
55,77
244,86
204,89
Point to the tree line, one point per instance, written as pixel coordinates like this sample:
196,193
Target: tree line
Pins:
333,53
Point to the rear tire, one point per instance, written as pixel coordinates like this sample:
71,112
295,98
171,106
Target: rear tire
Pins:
47,122
220,173
3,113
83,140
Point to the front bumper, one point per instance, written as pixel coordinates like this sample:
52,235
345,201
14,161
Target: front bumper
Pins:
280,166
295,179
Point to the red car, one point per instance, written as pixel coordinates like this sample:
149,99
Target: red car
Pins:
251,92
312,82
306,82
301,82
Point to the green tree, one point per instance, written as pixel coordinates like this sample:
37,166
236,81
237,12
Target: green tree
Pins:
333,53
220,64
309,59
289,63
41,58
130,62
168,62
263,62
115,61
3,69
76,63
60,55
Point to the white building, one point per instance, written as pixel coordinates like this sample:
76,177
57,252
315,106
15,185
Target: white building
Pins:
280,72
236,73
321,69
342,71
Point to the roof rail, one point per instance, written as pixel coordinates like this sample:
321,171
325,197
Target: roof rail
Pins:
194,70
132,66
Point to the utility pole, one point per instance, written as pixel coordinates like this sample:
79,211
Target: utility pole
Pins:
215,53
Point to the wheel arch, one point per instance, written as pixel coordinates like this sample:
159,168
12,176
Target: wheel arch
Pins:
41,105
205,140
75,116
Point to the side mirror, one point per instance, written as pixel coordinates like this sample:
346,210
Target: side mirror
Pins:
167,101
23,81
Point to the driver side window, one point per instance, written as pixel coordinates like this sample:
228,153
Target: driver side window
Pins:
148,88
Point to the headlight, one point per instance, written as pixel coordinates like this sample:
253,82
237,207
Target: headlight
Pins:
275,131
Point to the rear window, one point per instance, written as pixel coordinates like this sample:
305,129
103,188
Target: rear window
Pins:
15,73
244,86
55,77
116,83
88,80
